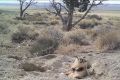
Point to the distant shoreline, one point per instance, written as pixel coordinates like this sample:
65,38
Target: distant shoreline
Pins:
113,7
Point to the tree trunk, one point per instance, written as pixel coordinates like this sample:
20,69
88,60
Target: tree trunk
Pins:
21,15
21,12
67,25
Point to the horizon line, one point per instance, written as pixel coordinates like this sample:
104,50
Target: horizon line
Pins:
105,2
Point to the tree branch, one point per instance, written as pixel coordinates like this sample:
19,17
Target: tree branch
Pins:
28,4
92,4
51,11
58,8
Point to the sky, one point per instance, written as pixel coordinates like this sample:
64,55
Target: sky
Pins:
15,1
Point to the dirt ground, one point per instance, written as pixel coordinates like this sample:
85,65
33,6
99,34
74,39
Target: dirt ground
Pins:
55,65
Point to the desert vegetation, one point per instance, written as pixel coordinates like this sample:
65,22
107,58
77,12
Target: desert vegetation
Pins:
38,43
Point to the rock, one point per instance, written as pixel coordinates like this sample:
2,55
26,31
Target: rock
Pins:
32,67
97,68
79,69
80,63
78,75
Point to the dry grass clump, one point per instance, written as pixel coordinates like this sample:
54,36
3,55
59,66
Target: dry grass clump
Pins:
24,33
53,17
108,41
75,37
88,24
67,49
40,23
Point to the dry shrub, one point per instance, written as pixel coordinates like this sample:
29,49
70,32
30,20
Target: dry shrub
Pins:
102,29
90,34
26,22
94,16
75,37
54,22
52,32
24,33
43,46
4,28
33,17
88,24
62,49
47,42
52,17
18,37
108,41
57,18
37,17
14,22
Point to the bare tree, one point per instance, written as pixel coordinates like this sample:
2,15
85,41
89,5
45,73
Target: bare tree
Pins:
24,5
69,6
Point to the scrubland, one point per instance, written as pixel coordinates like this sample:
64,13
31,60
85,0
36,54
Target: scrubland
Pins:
37,48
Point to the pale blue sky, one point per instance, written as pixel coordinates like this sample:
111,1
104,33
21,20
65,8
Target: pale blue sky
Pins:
15,1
